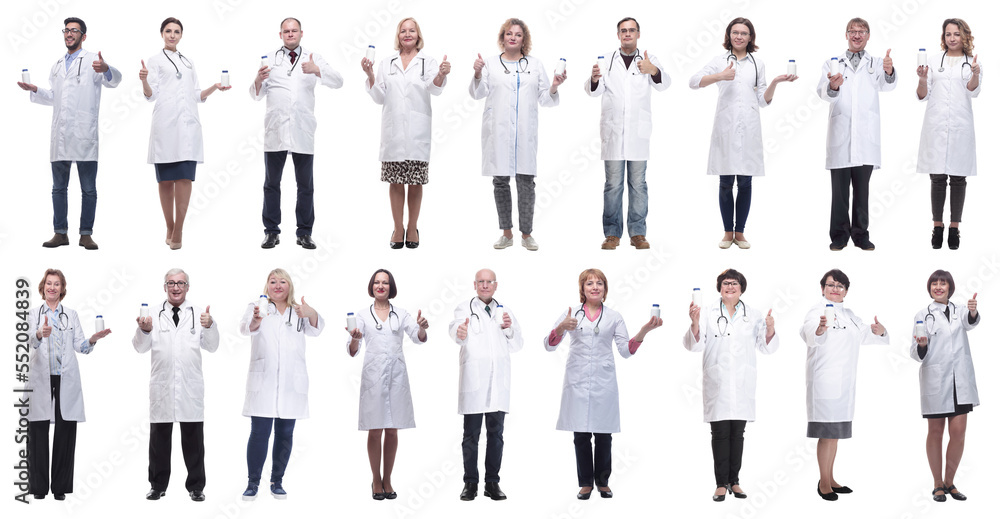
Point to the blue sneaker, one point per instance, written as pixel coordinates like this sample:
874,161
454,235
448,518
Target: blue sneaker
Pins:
251,492
277,491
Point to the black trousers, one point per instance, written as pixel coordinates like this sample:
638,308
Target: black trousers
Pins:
193,445
851,225
939,186
63,450
727,450
593,465
274,163
494,445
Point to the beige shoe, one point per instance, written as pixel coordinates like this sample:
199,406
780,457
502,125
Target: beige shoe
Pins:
639,242
87,242
743,244
725,244
611,243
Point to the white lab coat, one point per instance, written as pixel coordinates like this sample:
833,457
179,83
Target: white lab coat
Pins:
626,116
590,386
484,360
947,366
729,365
510,116
737,146
175,134
832,362
42,405
948,137
75,96
277,380
176,384
854,135
405,96
385,386
290,120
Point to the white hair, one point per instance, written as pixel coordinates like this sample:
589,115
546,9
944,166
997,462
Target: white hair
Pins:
174,272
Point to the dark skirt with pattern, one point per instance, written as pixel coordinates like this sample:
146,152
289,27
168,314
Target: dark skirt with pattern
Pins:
405,172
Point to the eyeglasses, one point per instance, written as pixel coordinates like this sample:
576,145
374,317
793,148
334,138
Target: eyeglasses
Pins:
739,34
628,30
837,286
857,33
72,30
730,283
172,284
486,282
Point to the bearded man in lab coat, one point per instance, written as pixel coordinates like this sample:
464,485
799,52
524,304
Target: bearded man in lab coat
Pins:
626,124
487,333
176,386
76,81
853,138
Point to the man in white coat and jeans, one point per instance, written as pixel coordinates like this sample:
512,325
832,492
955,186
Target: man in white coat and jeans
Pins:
288,81
176,388
853,138
75,95
487,333
626,125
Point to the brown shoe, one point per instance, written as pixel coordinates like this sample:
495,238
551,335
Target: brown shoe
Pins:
611,243
87,242
58,240
639,241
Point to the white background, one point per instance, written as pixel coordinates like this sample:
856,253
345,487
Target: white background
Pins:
662,458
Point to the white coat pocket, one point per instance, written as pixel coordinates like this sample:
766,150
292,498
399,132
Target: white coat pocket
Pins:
470,377
930,379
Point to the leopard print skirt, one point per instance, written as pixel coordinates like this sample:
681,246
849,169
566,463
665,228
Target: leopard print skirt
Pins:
406,172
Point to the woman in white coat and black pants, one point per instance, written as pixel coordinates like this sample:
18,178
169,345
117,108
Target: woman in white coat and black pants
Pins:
589,405
947,378
510,126
404,85
833,346
55,335
730,342
175,143
385,402
277,382
948,138
736,154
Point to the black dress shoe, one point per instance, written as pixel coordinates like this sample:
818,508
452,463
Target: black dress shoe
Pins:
955,494
937,237
717,498
42,496
940,498
583,496
837,246
842,490
197,495
270,240
58,240
865,245
470,491
378,496
953,238
155,494
59,497
396,244
737,495
391,495
306,242
492,491
606,494
415,244
832,496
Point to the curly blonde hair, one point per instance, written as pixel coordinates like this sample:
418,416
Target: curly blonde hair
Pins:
963,28
525,43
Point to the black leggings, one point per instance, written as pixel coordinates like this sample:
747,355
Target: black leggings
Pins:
727,450
939,184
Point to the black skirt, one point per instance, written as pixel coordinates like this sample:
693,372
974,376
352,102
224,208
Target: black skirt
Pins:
959,408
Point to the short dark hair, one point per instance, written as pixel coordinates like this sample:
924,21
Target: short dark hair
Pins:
73,19
169,21
628,19
838,276
734,275
290,18
942,275
392,284
751,45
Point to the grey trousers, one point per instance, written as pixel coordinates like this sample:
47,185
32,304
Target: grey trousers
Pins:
525,202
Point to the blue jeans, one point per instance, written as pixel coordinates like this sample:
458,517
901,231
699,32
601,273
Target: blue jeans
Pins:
638,198
260,433
87,169
742,204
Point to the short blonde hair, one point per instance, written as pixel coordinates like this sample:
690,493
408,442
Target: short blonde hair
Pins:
593,273
281,274
525,43
859,22
420,35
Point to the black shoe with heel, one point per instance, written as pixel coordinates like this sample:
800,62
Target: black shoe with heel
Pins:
395,244
937,237
953,238
718,498
412,244
737,495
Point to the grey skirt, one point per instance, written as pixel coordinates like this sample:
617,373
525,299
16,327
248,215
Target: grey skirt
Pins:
829,430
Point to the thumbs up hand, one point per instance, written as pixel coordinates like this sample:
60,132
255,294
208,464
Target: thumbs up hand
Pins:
445,68
99,65
567,324
46,330
304,311
478,66
310,67
646,66
769,322
975,65
887,63
972,306
728,74
422,321
463,330
206,317
877,327
143,72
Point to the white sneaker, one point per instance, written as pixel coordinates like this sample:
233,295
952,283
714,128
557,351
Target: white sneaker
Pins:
529,243
743,244
503,242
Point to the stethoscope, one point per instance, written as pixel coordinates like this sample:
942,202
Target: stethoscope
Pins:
392,312
966,64
722,316
756,73
597,325
931,318
79,65
392,72
63,325
518,70
163,309
183,59
871,63
472,313
636,59
277,62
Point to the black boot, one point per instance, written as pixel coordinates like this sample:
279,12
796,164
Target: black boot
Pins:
953,238
937,237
